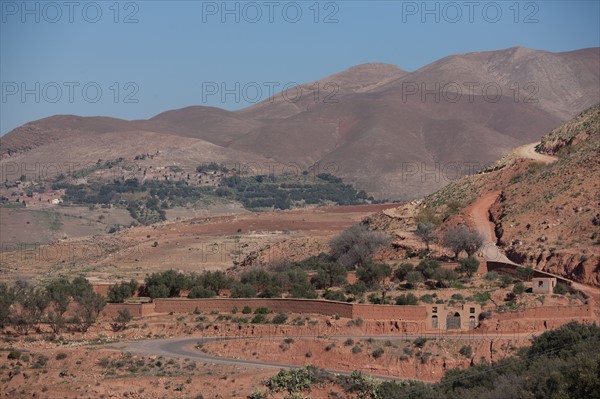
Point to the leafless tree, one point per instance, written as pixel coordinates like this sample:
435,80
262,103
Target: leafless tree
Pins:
425,231
355,245
462,238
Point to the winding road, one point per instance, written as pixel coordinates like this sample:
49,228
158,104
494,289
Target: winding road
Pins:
184,348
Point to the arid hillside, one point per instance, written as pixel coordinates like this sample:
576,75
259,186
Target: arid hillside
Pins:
547,214
378,127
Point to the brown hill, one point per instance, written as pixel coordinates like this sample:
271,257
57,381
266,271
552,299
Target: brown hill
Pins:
376,135
329,90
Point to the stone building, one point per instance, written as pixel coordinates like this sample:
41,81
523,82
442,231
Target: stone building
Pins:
543,285
443,317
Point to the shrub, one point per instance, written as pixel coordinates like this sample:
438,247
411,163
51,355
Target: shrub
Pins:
402,270
519,288
427,298
466,351
357,289
482,297
407,299
261,311
377,353
201,292
505,280
420,342
280,318
356,349
246,310
560,289
457,297
61,356
120,321
491,276
334,296
14,355
259,319
349,342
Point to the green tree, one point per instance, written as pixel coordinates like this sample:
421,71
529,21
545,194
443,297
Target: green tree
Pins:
299,286
32,303
413,278
243,290
89,306
330,274
59,293
468,266
166,284
402,270
7,299
525,273
118,293
217,281
372,274
427,267
444,277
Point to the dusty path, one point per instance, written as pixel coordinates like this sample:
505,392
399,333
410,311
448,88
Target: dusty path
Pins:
528,151
479,213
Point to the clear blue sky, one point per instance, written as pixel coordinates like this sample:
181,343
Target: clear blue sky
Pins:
176,46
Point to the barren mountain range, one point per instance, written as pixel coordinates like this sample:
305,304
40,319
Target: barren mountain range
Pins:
395,134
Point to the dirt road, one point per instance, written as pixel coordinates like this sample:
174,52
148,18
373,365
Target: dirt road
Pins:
528,151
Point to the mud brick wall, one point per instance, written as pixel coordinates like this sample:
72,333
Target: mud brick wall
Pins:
389,312
327,308
135,309
549,312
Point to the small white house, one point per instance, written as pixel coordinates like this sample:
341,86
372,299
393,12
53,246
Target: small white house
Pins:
543,285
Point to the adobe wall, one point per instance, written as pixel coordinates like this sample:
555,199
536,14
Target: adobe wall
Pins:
389,312
549,312
182,305
135,309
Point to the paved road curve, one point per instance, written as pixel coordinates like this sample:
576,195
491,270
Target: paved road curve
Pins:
183,348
